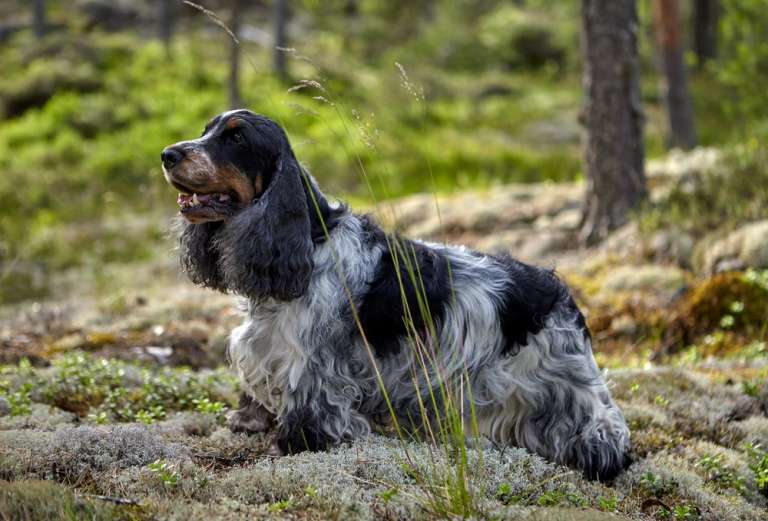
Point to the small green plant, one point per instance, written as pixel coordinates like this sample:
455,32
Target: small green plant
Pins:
654,485
635,388
551,498
727,322
684,513
661,401
719,474
608,504
758,464
207,406
150,416
750,388
280,506
559,496
757,277
165,472
99,418
388,494
19,401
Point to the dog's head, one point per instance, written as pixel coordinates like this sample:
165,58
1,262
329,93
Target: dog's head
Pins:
244,198
228,167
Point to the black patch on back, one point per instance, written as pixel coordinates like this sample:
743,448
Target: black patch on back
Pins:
389,312
580,321
529,297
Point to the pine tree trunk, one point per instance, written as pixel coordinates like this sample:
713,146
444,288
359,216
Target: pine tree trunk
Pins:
281,41
612,116
39,22
682,132
235,101
706,14
167,20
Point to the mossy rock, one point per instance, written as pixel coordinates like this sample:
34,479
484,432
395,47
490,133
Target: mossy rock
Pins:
745,247
726,301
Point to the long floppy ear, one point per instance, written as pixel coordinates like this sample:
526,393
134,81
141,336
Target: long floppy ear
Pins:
266,249
198,256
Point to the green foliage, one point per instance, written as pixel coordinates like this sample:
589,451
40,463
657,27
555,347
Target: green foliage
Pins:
758,464
19,401
720,475
106,390
654,485
684,513
280,506
80,165
608,504
207,406
734,193
743,61
750,388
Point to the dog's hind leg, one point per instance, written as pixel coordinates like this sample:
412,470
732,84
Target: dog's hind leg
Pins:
551,398
250,417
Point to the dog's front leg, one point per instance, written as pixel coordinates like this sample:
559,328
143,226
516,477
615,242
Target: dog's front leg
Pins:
320,413
250,417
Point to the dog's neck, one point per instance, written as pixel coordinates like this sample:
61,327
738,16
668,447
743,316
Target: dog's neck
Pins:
323,216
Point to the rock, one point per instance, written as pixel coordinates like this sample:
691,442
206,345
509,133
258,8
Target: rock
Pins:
746,247
671,246
658,280
471,217
679,163
5,408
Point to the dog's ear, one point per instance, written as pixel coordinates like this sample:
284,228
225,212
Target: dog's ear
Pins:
199,258
266,250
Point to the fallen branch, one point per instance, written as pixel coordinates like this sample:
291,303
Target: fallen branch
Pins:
116,500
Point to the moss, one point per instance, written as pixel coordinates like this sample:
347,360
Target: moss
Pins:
82,451
32,500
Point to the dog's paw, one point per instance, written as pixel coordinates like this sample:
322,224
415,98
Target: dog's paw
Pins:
274,451
242,421
250,418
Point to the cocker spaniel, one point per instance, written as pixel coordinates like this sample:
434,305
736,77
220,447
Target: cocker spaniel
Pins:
348,327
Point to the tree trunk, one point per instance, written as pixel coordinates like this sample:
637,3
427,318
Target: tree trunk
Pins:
235,101
612,116
706,14
167,21
682,132
280,64
39,23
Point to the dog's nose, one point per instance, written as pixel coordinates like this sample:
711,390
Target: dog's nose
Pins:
171,156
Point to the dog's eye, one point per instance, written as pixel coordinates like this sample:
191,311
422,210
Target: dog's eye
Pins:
236,137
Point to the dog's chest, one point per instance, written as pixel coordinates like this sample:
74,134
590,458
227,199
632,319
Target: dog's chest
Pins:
267,354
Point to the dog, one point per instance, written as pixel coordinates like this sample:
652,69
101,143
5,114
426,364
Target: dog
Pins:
348,328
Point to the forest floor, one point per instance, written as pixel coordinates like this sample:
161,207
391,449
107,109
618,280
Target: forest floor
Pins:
113,405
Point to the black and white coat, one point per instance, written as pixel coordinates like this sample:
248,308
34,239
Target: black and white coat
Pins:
315,274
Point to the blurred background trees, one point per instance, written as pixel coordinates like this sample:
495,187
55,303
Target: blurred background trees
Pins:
490,92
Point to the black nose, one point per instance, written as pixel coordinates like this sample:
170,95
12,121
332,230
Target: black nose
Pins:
171,156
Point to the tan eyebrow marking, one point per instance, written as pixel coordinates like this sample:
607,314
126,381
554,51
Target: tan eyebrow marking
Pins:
234,123
210,124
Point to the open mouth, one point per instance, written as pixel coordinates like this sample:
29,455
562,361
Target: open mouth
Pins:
205,206
194,200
